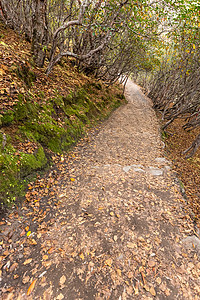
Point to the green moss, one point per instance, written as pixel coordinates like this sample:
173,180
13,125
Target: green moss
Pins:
23,72
32,162
10,186
25,109
14,168
7,118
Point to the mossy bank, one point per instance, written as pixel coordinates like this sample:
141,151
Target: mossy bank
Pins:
31,132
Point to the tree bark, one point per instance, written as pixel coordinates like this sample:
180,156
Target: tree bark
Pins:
40,31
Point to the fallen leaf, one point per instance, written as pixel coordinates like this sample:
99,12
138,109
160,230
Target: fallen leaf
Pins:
158,280
112,213
25,279
45,257
72,179
28,233
108,262
152,291
130,245
31,287
62,280
51,250
129,290
81,255
32,242
167,292
146,287
27,261
60,297
136,289
13,267
151,263
163,287
115,238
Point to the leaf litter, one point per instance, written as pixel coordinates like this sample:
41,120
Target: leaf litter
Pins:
107,234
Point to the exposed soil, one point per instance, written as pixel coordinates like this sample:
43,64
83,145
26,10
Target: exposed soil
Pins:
107,222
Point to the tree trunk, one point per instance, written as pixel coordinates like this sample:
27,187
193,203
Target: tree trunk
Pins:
39,37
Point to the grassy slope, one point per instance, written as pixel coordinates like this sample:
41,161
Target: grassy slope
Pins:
41,116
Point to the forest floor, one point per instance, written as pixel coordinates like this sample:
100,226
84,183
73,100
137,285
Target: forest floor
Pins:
107,222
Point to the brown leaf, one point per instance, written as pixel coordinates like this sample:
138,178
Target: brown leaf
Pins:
136,289
31,287
13,267
25,279
60,297
62,280
167,292
158,280
151,263
152,291
130,245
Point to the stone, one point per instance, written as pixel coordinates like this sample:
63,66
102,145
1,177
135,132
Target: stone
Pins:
155,171
126,168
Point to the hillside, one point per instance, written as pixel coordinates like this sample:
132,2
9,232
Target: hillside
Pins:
41,117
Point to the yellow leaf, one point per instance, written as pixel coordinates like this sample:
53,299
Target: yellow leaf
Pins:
32,242
81,256
45,257
2,72
108,262
31,287
27,261
152,291
112,213
194,46
4,44
72,179
28,233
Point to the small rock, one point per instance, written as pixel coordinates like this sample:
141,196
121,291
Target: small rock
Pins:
126,168
155,171
138,170
161,160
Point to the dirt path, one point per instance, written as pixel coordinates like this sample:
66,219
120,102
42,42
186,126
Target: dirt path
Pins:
108,223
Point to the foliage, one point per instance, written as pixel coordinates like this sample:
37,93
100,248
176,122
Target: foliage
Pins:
105,38
173,85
